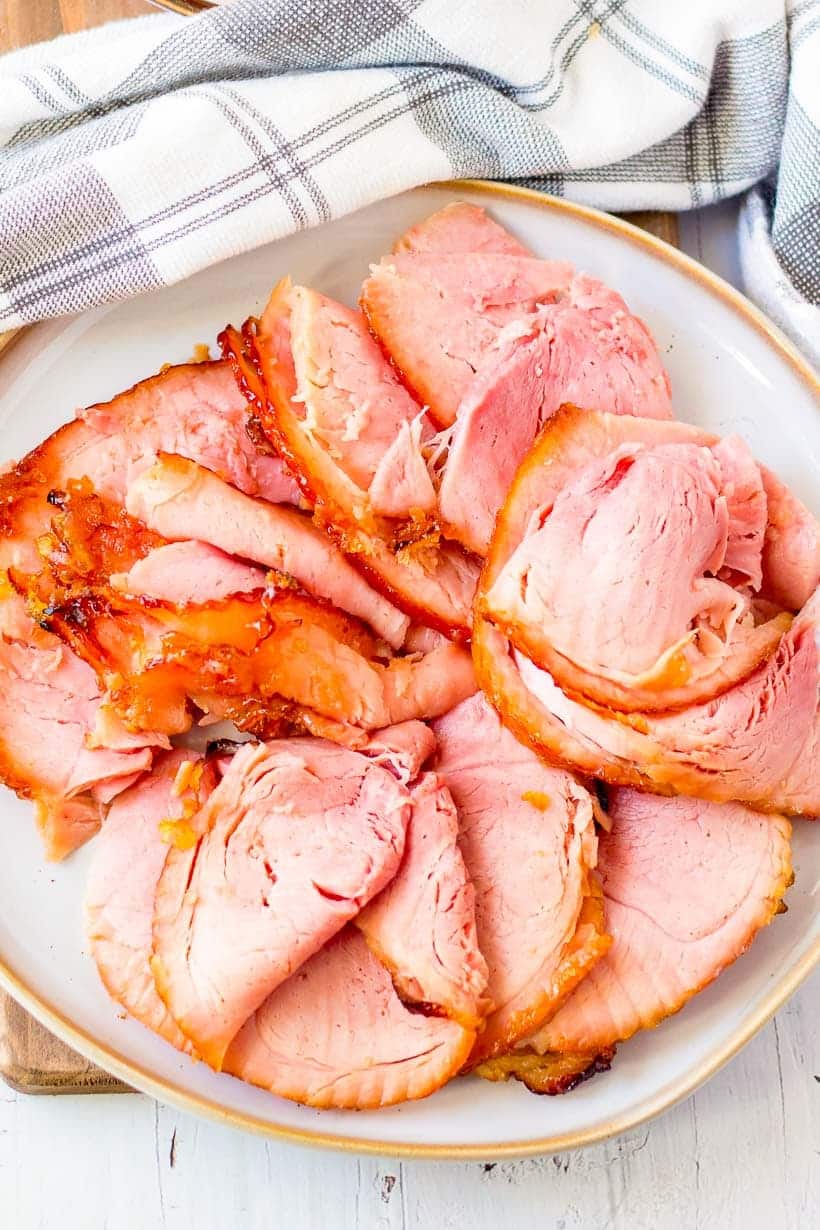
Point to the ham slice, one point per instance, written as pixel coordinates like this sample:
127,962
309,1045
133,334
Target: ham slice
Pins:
178,498
791,550
122,881
348,427
297,837
194,410
422,927
460,228
336,1035
438,314
59,743
587,349
527,835
780,554
687,886
50,708
188,573
358,454
755,743
248,658
613,586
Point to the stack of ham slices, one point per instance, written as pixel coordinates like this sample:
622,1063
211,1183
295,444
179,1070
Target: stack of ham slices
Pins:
437,697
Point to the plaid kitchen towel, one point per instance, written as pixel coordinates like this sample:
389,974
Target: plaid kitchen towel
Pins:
133,155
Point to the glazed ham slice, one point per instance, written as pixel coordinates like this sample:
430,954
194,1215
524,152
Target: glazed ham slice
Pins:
362,464
755,743
178,498
340,415
194,410
337,1035
297,837
188,573
527,835
687,886
58,745
587,349
439,314
122,881
614,585
423,925
247,657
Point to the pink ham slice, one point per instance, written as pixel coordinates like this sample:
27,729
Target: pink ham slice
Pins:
614,585
351,432
122,881
423,925
189,573
687,886
195,410
587,349
336,1035
756,743
460,227
291,346
438,315
791,550
297,837
779,554
527,835
58,747
176,497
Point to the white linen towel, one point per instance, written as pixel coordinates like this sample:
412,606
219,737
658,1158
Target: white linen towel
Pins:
133,155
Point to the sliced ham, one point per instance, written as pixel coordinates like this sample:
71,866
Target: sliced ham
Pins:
51,750
755,743
613,586
297,837
423,925
527,835
244,657
59,743
587,349
687,886
188,573
791,550
122,881
432,580
333,405
178,498
337,1035
784,551
460,228
194,410
437,315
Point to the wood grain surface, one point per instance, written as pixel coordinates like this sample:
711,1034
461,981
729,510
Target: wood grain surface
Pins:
31,1059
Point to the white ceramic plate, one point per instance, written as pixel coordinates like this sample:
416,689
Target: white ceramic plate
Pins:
730,372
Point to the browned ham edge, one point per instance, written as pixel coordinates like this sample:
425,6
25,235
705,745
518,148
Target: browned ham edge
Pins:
687,885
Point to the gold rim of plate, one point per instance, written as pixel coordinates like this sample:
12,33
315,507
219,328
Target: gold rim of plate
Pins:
670,1094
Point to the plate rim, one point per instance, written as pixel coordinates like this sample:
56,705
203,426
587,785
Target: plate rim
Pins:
166,1090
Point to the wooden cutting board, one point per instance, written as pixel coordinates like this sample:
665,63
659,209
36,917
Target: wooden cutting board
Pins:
32,1060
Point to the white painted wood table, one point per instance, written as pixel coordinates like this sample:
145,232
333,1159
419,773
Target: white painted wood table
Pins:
741,1154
